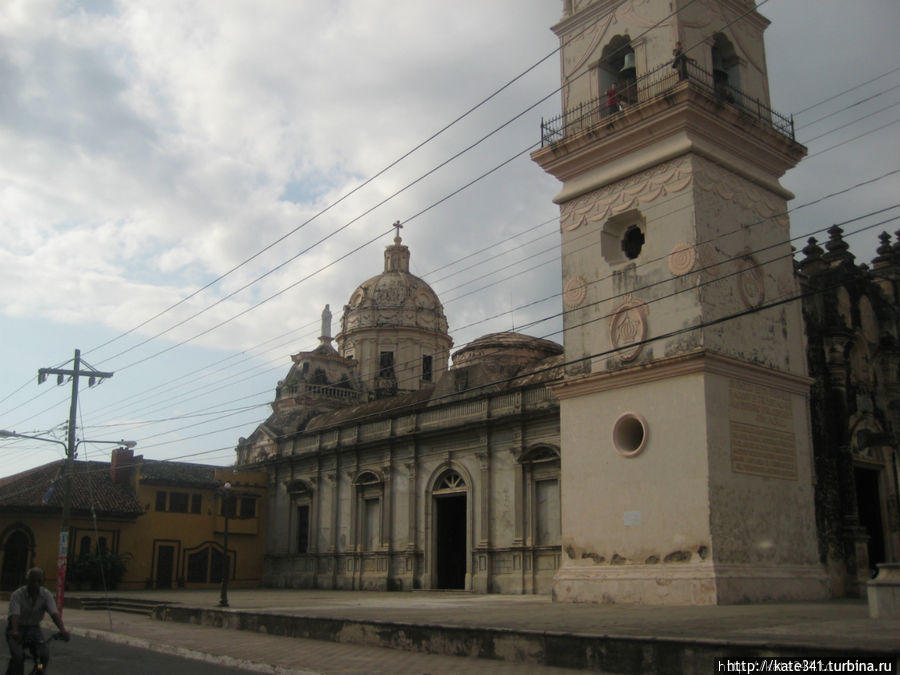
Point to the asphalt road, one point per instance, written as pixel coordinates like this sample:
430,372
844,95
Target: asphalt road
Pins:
85,655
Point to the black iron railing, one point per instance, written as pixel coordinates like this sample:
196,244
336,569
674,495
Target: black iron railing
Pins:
652,85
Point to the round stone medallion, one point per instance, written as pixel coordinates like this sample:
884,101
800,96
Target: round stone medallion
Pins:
751,282
628,329
574,291
682,259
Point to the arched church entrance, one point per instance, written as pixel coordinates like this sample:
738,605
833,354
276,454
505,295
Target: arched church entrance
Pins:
450,506
15,560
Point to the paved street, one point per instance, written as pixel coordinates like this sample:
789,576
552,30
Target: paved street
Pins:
90,655
139,645
414,624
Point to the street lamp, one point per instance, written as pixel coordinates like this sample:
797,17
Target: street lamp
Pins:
62,555
225,496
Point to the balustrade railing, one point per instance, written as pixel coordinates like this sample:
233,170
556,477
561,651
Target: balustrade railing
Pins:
655,84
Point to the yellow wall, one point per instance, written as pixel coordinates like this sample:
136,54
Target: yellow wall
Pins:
44,531
146,537
161,533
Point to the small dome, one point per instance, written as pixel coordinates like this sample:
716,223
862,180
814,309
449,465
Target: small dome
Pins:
505,349
394,298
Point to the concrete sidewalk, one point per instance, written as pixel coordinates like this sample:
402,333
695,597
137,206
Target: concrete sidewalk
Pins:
519,630
254,652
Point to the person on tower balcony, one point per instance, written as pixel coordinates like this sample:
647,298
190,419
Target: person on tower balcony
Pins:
679,61
612,100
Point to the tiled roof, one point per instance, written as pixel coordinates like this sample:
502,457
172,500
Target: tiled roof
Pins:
91,485
544,371
548,370
397,405
179,473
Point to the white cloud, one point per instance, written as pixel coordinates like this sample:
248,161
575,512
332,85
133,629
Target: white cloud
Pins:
150,147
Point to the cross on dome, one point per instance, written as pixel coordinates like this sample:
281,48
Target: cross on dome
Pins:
397,226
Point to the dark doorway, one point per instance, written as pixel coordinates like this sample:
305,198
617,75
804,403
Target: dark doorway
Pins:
450,542
165,566
868,502
15,561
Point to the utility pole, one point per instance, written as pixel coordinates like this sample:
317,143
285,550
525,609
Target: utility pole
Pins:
75,373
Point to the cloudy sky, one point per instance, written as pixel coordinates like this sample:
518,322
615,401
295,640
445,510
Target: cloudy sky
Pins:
170,177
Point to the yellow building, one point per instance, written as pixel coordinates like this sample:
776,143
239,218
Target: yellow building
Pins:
164,520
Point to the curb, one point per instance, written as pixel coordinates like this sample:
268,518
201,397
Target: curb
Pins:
606,653
183,652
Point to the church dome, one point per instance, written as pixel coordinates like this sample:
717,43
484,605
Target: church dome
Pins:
395,298
505,349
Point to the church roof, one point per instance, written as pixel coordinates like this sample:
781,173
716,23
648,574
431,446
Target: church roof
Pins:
179,473
505,346
397,405
535,373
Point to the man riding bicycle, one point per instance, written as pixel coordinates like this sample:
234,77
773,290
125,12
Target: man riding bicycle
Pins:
27,605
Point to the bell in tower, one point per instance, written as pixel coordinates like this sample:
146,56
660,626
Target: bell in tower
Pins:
685,438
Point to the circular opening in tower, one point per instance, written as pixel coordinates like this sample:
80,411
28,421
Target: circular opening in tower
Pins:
632,242
629,434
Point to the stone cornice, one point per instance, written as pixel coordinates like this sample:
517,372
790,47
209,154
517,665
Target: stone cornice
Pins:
579,19
679,366
378,330
687,120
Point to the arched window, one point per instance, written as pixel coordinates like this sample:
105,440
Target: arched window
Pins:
540,467
725,64
449,482
17,546
301,494
369,500
617,66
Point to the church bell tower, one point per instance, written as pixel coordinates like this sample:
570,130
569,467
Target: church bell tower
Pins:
686,452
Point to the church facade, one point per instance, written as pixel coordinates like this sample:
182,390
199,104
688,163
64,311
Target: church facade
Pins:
389,471
685,445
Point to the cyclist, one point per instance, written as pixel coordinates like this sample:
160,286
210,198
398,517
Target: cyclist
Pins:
27,605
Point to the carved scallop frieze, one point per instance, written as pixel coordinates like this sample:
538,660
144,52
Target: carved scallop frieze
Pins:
633,193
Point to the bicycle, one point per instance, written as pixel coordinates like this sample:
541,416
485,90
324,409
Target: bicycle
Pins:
31,649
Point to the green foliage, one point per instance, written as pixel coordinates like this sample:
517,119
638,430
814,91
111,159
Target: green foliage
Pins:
96,567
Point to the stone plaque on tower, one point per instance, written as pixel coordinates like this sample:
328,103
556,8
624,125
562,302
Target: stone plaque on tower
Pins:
685,438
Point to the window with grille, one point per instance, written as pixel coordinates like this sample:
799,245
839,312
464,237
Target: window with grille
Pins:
451,481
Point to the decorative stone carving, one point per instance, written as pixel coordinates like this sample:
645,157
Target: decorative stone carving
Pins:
682,259
574,292
628,328
710,177
867,320
751,281
641,189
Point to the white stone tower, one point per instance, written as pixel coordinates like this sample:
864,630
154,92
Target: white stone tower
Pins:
686,467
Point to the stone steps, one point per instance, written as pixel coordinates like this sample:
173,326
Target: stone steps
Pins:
114,604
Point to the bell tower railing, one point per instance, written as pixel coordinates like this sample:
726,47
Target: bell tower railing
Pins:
655,84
